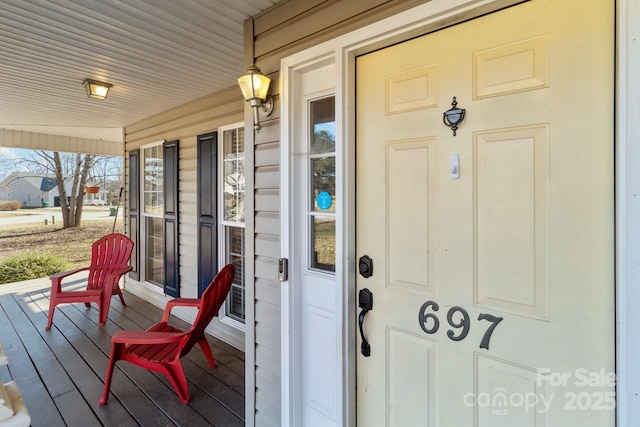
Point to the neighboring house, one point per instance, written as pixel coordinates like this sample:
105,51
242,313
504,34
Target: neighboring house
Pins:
36,190
490,252
31,190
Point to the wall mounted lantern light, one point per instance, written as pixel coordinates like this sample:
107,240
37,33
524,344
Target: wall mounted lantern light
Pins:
255,89
96,89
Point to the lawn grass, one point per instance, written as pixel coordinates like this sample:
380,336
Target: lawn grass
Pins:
72,244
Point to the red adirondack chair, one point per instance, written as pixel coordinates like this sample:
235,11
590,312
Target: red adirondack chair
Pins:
109,261
160,347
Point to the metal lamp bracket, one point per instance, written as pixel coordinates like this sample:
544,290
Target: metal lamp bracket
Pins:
267,106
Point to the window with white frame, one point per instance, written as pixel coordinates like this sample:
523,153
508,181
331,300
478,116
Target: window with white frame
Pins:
152,213
232,214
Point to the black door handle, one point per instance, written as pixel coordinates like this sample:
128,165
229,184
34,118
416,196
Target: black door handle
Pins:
365,301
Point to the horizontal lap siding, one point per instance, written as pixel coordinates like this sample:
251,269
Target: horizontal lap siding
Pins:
267,287
209,112
282,30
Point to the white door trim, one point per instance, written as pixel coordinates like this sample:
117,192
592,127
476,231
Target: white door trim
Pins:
420,20
628,211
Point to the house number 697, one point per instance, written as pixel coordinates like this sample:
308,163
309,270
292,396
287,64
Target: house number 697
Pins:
430,323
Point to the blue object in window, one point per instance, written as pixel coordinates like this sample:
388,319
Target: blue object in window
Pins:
324,200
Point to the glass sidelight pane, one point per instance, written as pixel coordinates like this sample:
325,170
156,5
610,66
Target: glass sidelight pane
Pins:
323,238
323,125
322,184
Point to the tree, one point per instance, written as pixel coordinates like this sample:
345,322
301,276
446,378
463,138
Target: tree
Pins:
108,173
78,172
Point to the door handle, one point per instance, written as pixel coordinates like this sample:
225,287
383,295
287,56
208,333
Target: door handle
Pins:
365,301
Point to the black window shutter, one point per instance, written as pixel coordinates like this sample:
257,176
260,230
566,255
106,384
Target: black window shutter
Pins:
207,210
171,262
134,211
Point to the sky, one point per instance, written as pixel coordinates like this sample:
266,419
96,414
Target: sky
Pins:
8,153
6,156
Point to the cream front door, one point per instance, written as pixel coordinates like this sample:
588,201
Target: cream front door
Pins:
492,250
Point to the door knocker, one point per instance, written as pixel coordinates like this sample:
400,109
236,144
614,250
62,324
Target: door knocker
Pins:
453,116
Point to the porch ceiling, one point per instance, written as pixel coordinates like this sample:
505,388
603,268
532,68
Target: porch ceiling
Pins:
157,54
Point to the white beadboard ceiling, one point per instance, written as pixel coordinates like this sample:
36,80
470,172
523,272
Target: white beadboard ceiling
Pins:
158,54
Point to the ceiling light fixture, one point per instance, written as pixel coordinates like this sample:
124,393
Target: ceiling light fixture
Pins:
96,89
255,89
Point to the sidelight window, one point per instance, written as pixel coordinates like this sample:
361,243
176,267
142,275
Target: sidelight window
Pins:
322,183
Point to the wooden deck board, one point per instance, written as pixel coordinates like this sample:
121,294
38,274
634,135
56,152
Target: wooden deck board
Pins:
40,404
60,372
84,364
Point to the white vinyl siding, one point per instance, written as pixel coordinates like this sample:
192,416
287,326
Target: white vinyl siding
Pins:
267,288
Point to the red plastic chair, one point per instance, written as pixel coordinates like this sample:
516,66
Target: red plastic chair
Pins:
160,347
109,262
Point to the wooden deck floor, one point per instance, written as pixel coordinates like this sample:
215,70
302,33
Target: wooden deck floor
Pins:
60,373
